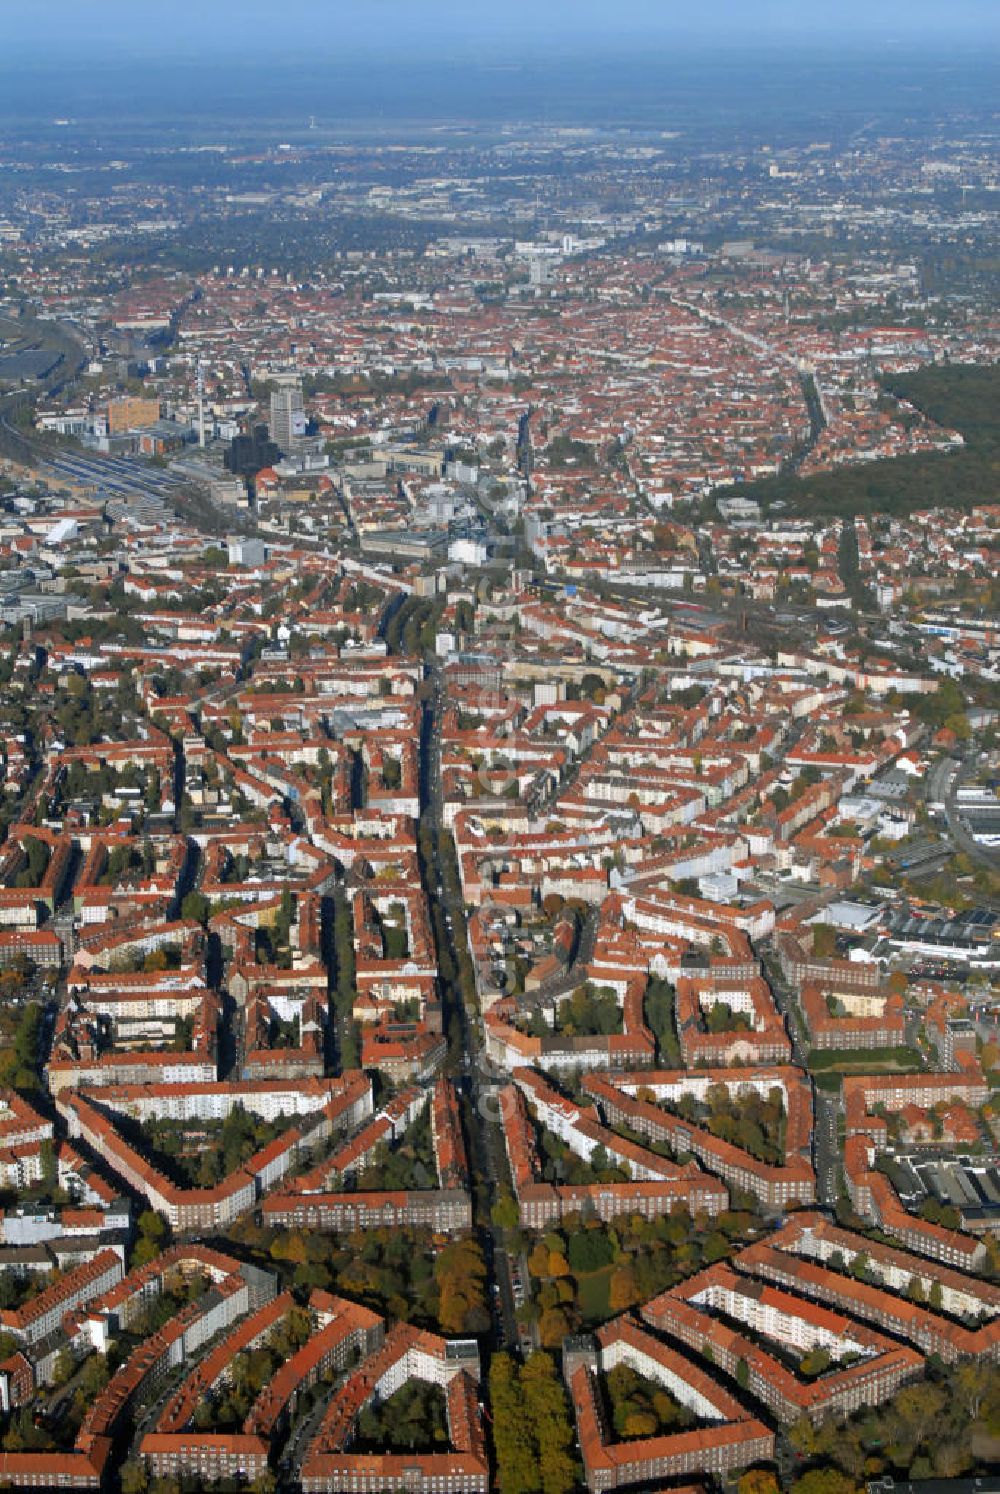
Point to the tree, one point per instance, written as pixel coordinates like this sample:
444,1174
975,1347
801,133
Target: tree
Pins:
47,1159
951,1458
974,1381
538,1261
814,1363
145,1251
292,1248
757,1481
824,1481
196,906
802,1437
285,916
551,1428
824,941
553,1326
505,1213
151,1226
460,1272
134,1478
715,1247
659,1012
93,1376
517,1456
623,1289
589,1250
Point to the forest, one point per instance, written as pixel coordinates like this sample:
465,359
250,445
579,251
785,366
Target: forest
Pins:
962,397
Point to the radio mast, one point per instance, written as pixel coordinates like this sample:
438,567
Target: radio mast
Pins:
201,402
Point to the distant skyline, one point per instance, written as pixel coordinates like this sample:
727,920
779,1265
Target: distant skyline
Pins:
128,30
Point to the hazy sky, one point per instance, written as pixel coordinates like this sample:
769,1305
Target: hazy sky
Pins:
113,29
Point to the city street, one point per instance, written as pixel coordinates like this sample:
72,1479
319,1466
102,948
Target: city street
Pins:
486,1150
826,1148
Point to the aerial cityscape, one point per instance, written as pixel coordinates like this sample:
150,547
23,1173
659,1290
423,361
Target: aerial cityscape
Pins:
500,749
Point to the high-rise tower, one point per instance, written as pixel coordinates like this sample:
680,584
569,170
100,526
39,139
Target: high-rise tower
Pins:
288,419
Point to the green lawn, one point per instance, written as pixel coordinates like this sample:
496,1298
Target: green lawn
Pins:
865,1060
